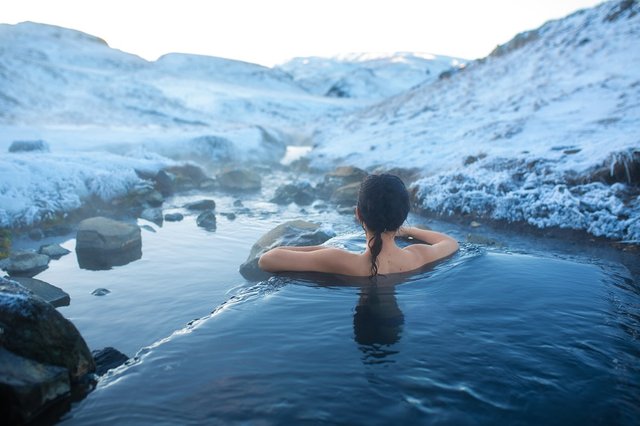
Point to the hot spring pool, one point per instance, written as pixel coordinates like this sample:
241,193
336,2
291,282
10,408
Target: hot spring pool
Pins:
490,336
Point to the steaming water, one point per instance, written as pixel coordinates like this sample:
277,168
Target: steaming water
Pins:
489,336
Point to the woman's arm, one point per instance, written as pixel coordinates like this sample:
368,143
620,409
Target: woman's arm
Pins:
440,245
311,259
301,248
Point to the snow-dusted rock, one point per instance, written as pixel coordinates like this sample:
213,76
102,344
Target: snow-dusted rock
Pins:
292,233
29,146
36,337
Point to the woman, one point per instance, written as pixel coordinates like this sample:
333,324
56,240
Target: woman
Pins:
383,206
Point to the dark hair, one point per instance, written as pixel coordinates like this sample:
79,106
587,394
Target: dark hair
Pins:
383,203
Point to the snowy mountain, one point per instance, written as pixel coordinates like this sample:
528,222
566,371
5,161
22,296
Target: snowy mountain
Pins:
367,75
545,130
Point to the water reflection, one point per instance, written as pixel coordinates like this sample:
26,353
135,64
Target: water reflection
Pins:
98,260
377,322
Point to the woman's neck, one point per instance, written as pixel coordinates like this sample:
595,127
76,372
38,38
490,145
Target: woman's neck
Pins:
388,240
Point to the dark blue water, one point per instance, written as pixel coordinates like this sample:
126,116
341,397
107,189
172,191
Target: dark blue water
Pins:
486,337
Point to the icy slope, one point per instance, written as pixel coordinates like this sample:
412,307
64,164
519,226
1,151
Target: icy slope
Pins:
367,75
545,130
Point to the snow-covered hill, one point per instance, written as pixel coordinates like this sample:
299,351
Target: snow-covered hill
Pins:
546,130
367,75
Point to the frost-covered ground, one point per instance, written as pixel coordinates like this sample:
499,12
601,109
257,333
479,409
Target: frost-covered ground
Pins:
544,131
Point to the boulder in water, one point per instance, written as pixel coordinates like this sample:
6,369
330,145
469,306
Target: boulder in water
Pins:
102,243
201,205
346,196
207,220
25,263
54,251
301,193
27,387
340,177
108,358
173,217
239,180
152,215
292,233
36,339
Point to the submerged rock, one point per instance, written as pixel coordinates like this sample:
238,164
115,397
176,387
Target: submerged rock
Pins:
102,243
54,251
25,263
201,205
292,233
36,339
301,193
108,358
50,293
239,180
207,220
100,291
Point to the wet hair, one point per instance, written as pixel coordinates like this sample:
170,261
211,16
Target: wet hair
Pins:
383,203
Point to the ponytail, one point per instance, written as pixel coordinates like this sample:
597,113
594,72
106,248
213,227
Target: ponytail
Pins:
375,247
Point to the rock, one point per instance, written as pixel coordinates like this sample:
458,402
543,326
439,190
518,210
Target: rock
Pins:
148,228
201,205
36,234
100,292
173,217
482,240
102,243
230,215
50,293
5,243
41,353
187,176
165,183
29,146
25,263
54,251
238,203
108,358
239,180
475,224
301,193
153,198
34,329
207,220
292,233
346,196
27,387
152,215
340,177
